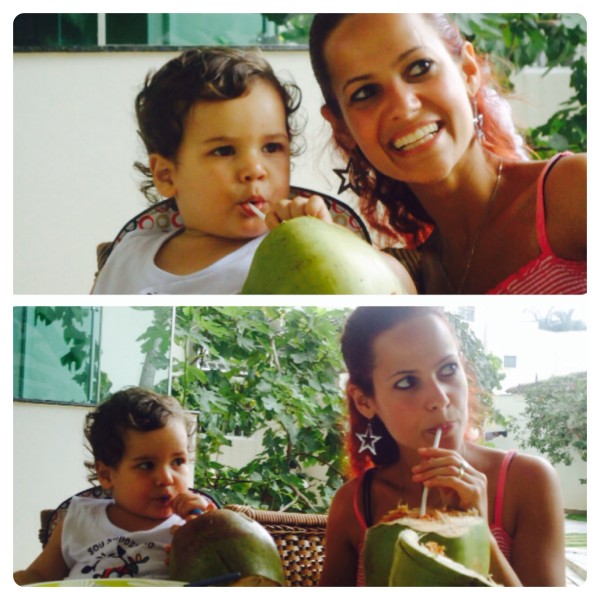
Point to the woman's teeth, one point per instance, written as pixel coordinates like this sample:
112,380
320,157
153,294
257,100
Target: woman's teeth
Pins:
416,138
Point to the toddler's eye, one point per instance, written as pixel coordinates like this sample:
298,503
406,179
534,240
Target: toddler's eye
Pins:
179,461
145,466
273,147
418,68
224,151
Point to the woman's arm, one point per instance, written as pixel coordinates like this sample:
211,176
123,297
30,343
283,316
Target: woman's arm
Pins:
49,565
538,553
341,555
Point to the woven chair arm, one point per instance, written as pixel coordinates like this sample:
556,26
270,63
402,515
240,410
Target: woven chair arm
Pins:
273,517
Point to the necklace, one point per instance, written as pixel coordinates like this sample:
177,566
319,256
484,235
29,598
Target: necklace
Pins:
482,224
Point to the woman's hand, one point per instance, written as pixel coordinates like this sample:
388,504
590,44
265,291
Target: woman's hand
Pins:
448,471
189,505
284,210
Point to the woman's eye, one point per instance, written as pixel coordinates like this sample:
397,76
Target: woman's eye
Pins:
449,369
418,68
405,383
363,93
224,151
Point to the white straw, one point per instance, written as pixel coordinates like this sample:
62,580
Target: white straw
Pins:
257,211
436,443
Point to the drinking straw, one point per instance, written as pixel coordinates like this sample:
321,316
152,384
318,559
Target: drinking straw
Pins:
257,211
436,443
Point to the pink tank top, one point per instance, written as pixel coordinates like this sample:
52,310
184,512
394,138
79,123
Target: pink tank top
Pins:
547,273
504,540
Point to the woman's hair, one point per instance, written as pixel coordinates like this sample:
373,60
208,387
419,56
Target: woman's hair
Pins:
131,409
389,205
362,328
200,74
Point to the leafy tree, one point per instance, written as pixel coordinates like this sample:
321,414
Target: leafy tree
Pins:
556,417
517,40
273,372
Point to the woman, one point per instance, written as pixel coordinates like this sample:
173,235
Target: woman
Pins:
407,380
437,163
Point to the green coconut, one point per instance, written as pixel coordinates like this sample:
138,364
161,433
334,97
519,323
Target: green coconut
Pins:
308,256
462,537
222,542
418,564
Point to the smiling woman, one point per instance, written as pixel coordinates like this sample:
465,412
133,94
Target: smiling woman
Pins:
435,158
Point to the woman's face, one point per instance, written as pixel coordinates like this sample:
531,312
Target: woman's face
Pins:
404,100
419,384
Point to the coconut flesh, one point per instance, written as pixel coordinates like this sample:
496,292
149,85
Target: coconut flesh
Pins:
440,548
222,542
308,256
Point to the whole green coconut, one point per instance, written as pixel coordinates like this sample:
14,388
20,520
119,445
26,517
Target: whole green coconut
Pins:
308,256
222,542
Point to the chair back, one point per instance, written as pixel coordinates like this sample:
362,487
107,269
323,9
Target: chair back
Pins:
165,217
299,538
50,517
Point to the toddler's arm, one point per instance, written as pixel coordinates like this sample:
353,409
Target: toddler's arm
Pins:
48,566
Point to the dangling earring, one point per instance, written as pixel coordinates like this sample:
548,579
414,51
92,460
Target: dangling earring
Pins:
368,440
478,122
347,175
344,175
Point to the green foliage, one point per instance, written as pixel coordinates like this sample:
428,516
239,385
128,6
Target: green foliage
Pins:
271,372
517,40
556,418
487,368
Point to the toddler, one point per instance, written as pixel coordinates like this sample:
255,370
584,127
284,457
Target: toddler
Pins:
140,446
217,127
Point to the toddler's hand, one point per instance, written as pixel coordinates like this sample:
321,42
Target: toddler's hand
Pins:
189,505
284,210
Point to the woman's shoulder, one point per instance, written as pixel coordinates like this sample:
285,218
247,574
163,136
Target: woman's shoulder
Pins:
565,200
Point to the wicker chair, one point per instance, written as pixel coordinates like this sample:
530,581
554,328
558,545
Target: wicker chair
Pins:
299,538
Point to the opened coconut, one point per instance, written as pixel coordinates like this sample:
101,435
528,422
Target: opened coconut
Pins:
440,548
308,256
222,542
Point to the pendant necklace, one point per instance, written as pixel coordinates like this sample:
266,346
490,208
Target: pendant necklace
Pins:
482,224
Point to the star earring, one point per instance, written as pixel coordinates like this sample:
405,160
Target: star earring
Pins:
368,440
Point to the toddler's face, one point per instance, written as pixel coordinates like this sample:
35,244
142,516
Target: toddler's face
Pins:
153,470
233,152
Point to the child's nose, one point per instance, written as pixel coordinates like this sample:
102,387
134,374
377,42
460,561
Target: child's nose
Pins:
252,169
164,476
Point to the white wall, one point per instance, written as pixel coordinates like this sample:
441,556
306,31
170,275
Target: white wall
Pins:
75,142
48,456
